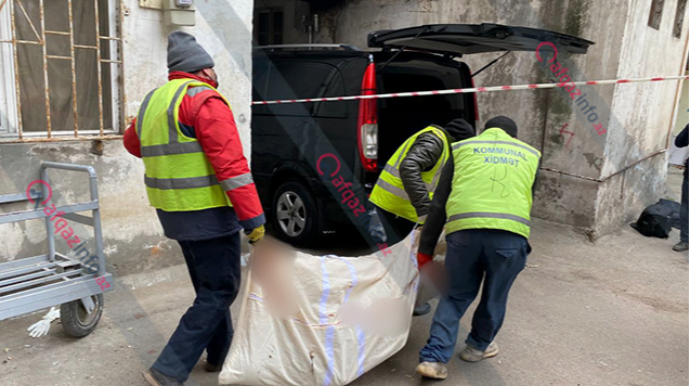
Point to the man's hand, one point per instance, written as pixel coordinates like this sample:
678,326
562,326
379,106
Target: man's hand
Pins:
255,235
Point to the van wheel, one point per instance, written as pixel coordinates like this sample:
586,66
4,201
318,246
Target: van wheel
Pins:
295,214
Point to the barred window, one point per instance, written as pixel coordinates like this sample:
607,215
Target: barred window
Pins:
60,69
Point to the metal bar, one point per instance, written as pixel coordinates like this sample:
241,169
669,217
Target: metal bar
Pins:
21,42
17,197
16,73
22,271
79,218
58,57
45,71
63,139
22,263
49,225
123,95
31,24
26,277
109,38
34,282
74,70
36,214
57,33
88,304
96,214
111,61
604,179
50,295
75,168
98,65
85,47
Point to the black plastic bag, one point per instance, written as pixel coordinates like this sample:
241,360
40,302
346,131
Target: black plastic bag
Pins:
658,219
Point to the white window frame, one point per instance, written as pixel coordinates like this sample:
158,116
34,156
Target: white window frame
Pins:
8,94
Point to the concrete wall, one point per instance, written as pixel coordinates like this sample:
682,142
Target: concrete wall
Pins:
133,237
625,47
643,116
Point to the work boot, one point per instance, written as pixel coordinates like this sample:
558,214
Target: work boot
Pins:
433,370
156,378
681,246
422,310
211,368
471,354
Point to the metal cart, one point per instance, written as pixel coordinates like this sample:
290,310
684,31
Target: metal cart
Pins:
33,283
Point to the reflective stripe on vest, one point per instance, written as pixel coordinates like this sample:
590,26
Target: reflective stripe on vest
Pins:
180,183
178,174
492,185
389,192
490,215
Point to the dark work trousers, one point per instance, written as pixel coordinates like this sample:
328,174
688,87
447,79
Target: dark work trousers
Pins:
397,228
493,255
214,266
684,210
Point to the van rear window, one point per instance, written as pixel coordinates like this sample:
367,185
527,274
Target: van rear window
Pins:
299,80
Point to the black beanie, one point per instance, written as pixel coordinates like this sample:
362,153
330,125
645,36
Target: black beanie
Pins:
460,130
185,54
504,123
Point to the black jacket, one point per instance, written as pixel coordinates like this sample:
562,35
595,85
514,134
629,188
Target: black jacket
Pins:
423,155
682,141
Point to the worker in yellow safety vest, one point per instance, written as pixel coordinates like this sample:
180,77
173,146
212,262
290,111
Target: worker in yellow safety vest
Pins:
406,185
199,181
484,199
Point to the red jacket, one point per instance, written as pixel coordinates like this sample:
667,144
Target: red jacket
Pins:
213,124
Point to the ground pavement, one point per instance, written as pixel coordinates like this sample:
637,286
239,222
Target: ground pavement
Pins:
610,313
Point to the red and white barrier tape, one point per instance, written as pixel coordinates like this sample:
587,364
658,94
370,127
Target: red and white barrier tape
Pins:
468,90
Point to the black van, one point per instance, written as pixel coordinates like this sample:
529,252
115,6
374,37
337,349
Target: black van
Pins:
288,139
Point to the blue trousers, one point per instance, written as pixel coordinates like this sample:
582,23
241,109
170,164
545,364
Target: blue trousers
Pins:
214,267
684,210
495,256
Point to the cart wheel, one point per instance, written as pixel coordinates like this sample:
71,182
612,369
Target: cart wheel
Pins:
76,321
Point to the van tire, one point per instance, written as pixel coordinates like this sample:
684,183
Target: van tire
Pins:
294,214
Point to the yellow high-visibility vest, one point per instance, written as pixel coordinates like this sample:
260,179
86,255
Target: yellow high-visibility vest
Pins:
178,175
389,193
492,184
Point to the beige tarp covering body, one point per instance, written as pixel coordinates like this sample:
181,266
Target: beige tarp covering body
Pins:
350,314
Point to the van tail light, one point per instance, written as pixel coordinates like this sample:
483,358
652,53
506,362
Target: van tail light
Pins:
476,109
368,121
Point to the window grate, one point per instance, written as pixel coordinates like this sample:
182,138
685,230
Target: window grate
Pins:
67,48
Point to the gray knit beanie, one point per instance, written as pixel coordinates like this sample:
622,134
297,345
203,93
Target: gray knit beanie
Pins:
185,54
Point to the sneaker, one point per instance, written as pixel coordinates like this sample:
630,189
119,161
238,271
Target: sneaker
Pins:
211,368
156,378
422,310
433,370
471,354
680,247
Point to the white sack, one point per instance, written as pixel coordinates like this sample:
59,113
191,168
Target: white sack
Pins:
321,344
